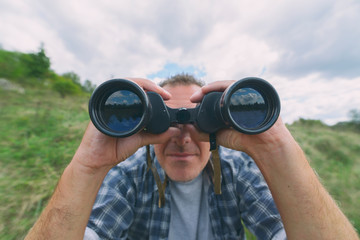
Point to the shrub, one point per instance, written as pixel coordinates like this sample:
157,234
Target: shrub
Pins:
66,87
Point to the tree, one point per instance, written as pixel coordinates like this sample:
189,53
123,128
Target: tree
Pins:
88,86
354,115
38,64
73,77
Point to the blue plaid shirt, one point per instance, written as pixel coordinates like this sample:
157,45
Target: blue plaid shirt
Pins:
127,203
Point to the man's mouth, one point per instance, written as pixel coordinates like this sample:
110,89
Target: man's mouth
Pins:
180,154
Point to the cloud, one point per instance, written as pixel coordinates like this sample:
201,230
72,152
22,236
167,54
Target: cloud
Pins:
171,69
246,97
314,97
123,97
315,37
291,39
296,45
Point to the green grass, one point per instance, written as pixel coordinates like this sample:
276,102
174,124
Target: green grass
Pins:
40,131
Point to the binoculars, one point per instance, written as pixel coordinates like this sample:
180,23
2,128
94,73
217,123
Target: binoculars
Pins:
121,108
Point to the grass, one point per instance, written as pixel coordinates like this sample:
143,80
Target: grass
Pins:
40,131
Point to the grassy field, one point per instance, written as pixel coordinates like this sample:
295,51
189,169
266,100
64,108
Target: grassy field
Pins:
40,131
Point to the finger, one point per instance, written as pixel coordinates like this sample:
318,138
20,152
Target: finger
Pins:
93,134
218,86
148,85
230,138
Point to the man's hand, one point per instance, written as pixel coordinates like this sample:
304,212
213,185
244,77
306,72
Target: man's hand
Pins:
98,151
251,144
306,208
68,211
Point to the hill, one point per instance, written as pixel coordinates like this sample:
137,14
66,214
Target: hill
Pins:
33,69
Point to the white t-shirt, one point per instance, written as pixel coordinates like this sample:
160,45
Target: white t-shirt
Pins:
190,217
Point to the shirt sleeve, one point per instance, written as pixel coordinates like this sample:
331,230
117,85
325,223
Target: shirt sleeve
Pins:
112,213
90,234
280,235
257,206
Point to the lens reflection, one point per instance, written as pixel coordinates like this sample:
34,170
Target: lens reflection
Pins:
248,108
122,111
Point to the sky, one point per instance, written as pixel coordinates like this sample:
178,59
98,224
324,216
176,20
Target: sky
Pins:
308,50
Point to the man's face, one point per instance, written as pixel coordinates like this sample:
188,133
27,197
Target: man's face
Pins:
183,157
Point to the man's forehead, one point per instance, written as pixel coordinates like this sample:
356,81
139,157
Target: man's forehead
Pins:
181,95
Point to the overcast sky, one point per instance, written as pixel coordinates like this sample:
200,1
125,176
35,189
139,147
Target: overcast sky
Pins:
309,50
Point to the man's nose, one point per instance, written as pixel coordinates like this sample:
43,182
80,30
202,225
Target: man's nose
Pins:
184,137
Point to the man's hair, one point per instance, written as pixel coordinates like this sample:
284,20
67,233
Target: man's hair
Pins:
182,79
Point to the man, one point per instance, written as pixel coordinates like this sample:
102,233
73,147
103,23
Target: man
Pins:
122,210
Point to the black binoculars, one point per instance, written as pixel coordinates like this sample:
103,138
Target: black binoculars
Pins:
121,108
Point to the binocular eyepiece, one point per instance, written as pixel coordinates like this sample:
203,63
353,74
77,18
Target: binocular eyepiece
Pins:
121,108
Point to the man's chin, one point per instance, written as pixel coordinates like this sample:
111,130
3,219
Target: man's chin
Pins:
182,177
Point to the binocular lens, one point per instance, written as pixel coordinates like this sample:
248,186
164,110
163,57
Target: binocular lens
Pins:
122,111
119,108
248,108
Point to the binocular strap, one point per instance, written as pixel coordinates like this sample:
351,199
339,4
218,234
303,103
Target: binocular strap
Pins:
160,185
217,171
216,163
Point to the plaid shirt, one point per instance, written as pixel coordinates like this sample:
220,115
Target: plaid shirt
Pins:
127,203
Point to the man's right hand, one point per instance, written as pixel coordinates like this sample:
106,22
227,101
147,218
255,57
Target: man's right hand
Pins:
98,151
68,211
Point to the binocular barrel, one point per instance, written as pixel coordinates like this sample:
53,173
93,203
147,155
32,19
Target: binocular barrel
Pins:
121,108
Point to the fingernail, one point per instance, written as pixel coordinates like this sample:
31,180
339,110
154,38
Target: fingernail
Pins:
196,94
166,92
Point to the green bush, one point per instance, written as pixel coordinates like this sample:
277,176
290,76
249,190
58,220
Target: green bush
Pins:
33,69
11,65
17,66
65,86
